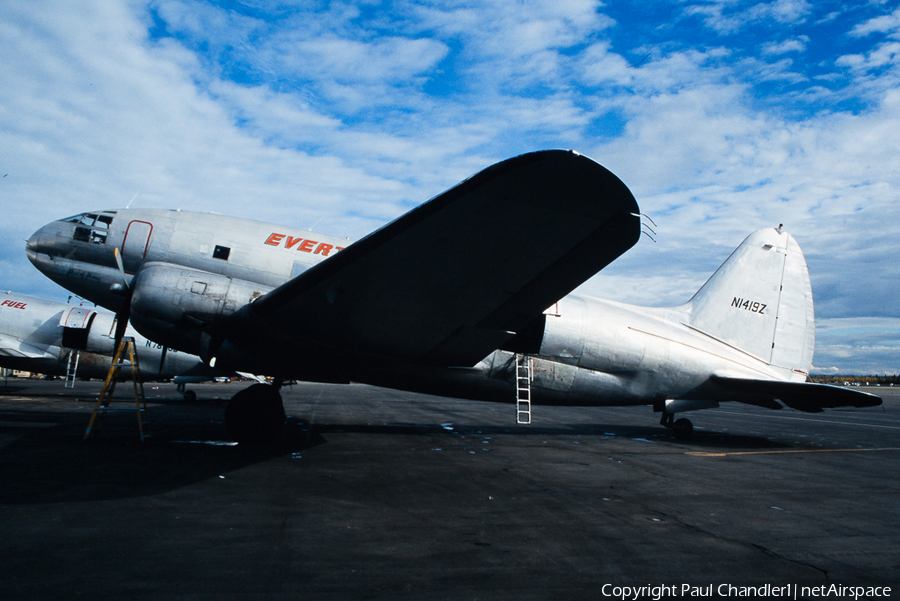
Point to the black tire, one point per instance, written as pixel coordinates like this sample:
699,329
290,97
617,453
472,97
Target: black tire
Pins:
190,396
255,415
683,428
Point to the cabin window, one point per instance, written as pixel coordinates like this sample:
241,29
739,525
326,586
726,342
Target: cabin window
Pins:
221,252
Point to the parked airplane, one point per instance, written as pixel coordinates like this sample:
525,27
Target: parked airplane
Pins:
60,339
447,299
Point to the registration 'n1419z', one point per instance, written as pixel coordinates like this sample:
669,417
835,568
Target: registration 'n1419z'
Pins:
748,305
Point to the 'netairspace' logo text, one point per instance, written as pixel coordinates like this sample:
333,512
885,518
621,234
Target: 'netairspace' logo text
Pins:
788,591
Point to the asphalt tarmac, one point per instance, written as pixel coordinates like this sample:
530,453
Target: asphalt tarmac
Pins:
378,494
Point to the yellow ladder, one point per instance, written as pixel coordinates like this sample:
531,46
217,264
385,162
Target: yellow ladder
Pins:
109,386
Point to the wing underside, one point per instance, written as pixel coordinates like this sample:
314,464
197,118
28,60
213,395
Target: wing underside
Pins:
13,347
460,275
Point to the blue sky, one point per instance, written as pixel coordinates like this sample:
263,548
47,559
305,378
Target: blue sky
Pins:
722,117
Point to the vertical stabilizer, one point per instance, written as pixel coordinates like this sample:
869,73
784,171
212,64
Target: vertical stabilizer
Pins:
760,301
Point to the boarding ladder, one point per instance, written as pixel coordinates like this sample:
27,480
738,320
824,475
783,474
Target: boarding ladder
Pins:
524,374
72,368
109,386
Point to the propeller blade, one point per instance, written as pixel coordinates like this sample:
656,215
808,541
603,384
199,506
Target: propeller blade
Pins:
121,324
123,314
121,265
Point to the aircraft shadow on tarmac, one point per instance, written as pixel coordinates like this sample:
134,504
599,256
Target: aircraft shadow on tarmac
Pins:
6,389
45,459
700,439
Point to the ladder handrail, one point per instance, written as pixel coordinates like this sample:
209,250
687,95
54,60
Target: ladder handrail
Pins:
524,375
70,370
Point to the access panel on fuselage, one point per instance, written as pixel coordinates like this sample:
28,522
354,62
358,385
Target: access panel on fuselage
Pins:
135,244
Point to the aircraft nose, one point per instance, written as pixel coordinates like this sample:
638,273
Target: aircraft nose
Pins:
33,244
37,248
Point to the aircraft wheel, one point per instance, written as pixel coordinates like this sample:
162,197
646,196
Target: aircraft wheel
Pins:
189,395
255,415
683,428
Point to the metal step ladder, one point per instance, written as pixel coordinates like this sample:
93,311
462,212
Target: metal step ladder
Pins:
72,368
109,386
524,374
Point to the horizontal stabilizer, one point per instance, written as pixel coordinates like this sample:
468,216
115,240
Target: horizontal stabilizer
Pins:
803,396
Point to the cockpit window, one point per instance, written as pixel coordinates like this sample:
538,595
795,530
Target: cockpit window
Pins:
102,220
84,219
92,227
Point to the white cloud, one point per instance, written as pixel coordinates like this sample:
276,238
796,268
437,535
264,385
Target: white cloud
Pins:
887,54
729,16
98,114
513,44
874,340
385,60
889,24
501,28
787,11
797,44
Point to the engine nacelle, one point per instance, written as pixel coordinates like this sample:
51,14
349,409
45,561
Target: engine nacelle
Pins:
84,329
172,305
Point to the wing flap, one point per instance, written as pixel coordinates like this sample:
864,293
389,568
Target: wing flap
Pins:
803,396
452,279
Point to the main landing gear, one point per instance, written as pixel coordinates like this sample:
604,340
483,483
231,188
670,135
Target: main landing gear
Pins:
255,415
681,427
189,395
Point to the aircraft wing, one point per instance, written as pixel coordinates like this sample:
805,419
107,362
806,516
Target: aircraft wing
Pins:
804,396
457,277
13,347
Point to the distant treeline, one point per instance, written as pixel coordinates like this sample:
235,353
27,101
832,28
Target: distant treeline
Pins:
861,380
